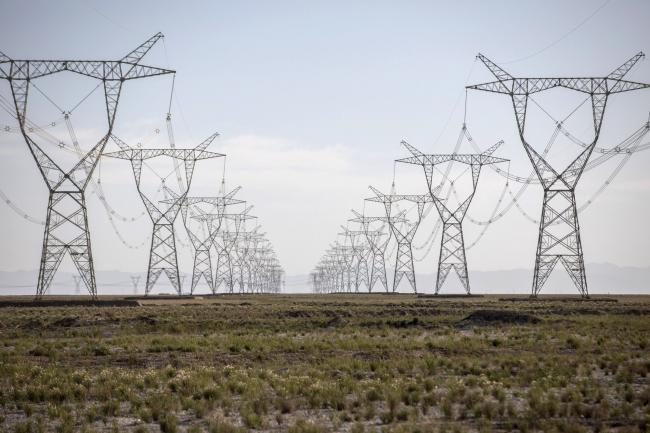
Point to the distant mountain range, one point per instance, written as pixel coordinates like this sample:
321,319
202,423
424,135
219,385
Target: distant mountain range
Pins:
602,278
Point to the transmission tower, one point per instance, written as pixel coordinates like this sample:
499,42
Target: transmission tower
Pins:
203,242
244,251
135,280
404,233
559,231
162,255
378,241
66,225
257,253
359,250
77,284
224,241
344,256
452,245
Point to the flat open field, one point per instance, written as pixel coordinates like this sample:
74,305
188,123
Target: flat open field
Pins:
303,363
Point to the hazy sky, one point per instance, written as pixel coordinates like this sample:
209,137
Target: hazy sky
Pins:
312,100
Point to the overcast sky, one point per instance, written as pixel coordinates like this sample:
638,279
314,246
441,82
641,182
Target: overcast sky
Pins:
312,100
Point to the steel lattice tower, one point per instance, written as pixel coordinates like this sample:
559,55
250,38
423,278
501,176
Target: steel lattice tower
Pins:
202,245
224,271
77,284
377,244
452,246
559,231
404,235
66,226
256,254
243,255
135,280
162,255
344,256
360,252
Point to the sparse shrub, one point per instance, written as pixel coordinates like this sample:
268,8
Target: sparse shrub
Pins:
250,418
219,425
284,405
373,394
447,408
168,423
302,426
194,429
572,342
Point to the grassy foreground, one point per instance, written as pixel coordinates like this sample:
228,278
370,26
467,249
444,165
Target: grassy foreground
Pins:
344,363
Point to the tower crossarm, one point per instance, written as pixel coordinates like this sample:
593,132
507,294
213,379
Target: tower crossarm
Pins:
529,86
612,83
392,198
420,158
127,68
364,219
181,154
210,217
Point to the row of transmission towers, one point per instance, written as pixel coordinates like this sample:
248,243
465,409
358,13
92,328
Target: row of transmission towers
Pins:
358,258
216,225
344,267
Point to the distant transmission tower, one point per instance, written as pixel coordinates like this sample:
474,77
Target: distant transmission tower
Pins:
225,241
559,231
452,245
135,280
345,257
244,251
404,233
66,226
77,284
162,255
378,241
203,240
360,252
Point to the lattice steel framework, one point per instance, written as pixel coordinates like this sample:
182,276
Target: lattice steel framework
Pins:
224,242
404,233
135,281
559,232
244,251
66,226
344,258
162,255
260,250
77,284
359,253
452,246
203,240
377,241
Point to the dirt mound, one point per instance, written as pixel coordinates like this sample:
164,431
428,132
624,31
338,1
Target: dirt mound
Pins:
492,317
334,321
412,323
146,319
66,322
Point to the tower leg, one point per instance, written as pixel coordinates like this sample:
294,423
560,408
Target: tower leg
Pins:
66,229
362,274
163,257
452,255
378,271
559,240
404,266
202,267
